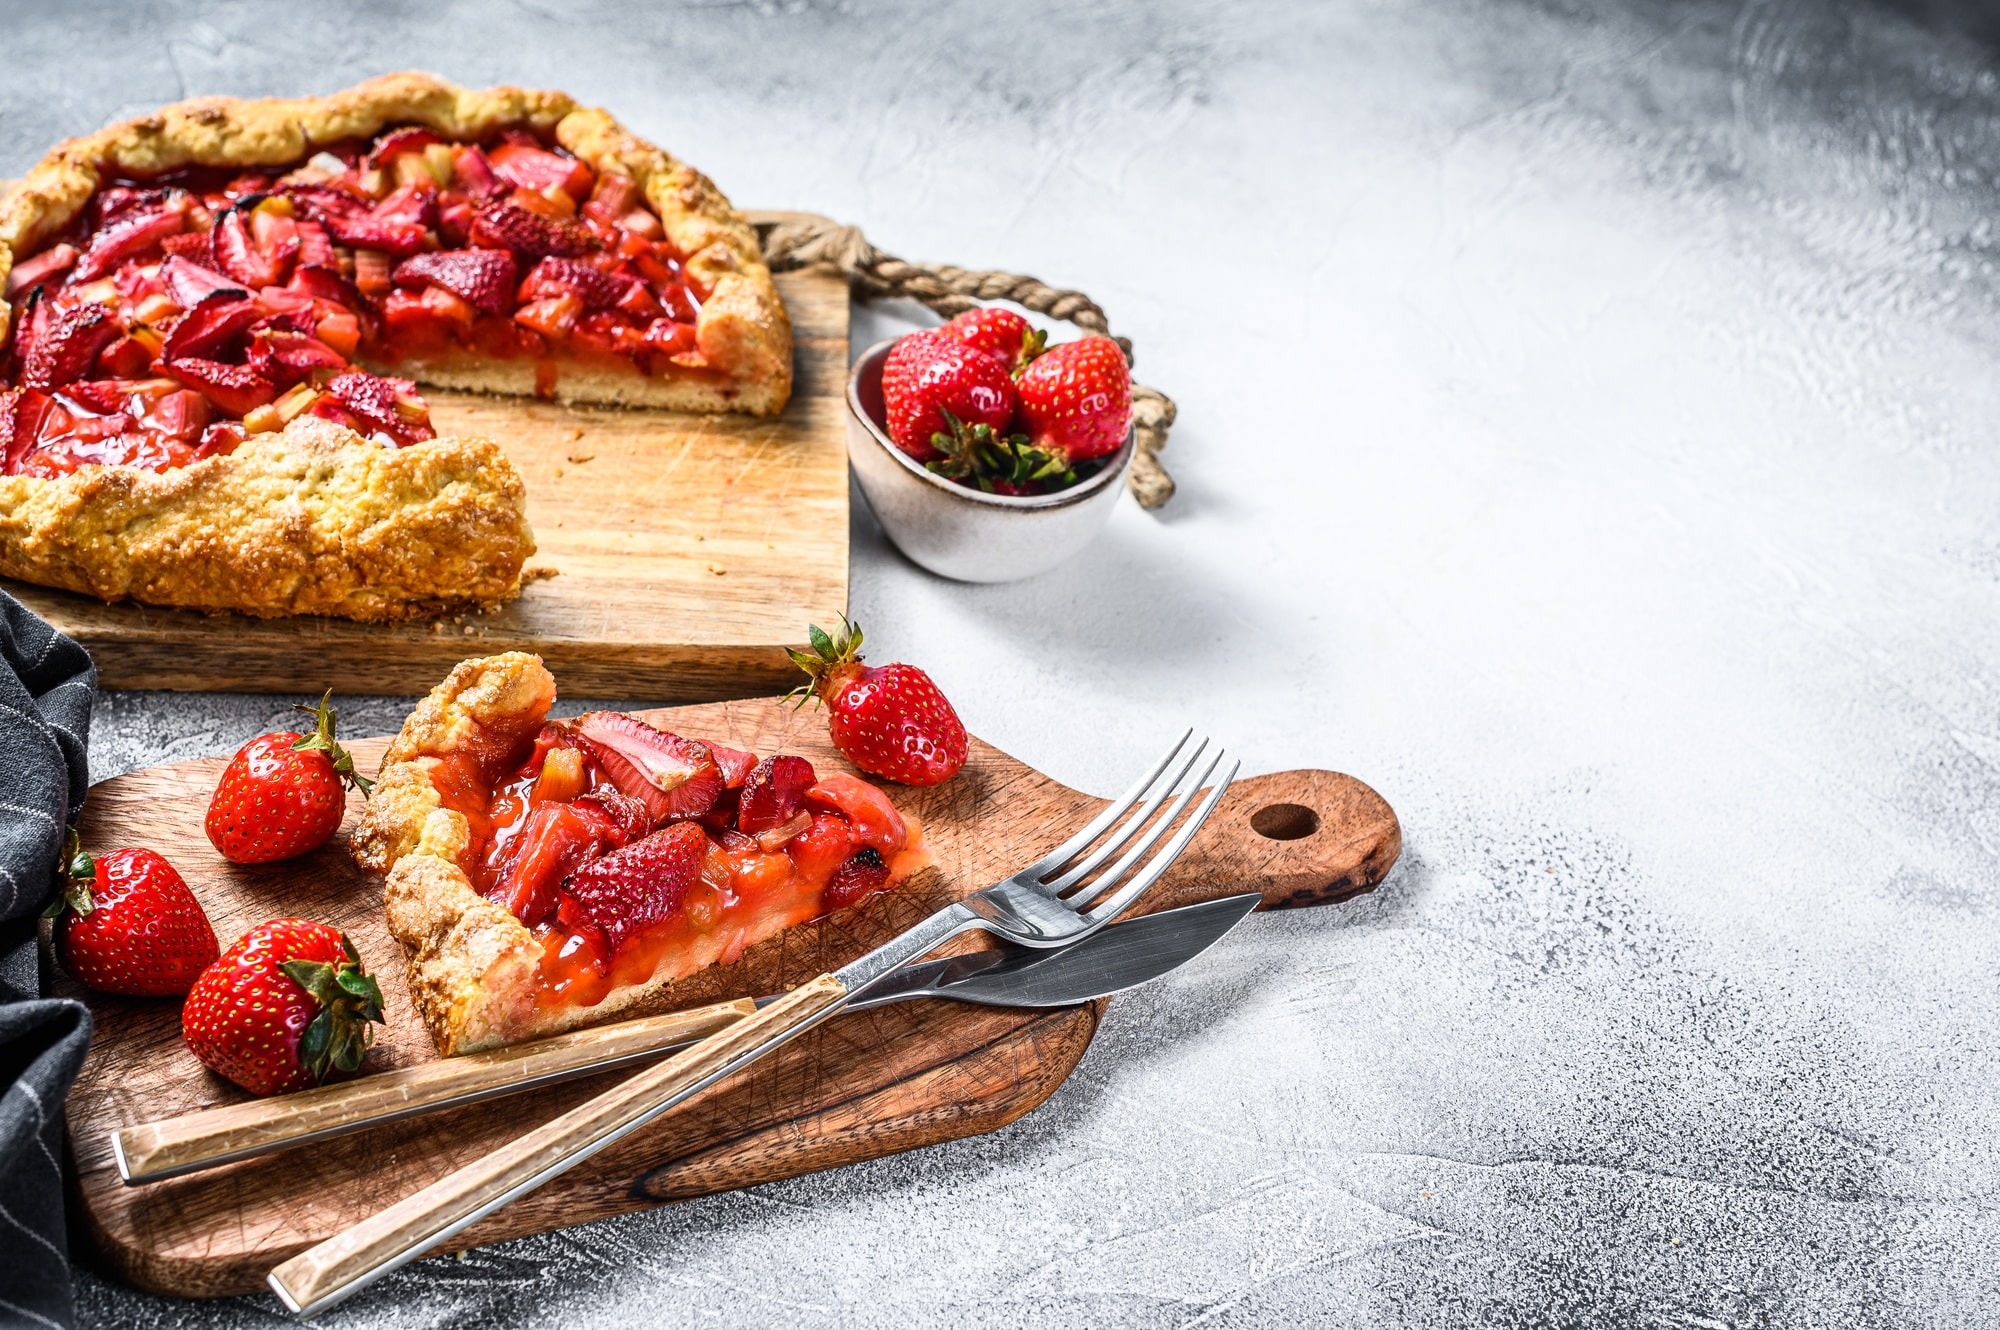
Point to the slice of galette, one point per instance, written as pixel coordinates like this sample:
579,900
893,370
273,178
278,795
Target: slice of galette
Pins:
196,283
543,874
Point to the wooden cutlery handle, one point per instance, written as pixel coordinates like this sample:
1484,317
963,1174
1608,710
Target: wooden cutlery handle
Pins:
1299,837
323,1275
170,1147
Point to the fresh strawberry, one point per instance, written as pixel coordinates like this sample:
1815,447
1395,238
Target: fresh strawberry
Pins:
775,790
863,875
634,888
287,1007
126,923
1076,399
507,225
281,795
932,379
889,720
483,278
1000,333
65,343
674,777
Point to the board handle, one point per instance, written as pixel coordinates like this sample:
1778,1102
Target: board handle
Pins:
1298,837
321,1276
170,1147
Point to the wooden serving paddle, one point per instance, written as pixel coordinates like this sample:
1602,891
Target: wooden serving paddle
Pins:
865,1085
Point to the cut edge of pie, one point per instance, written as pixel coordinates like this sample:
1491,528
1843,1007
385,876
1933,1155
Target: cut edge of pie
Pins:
313,519
477,973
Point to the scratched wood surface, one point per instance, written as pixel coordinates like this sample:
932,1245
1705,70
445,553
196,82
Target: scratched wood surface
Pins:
863,1085
686,551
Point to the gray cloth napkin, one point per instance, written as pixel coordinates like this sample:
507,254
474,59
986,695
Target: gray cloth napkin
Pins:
47,684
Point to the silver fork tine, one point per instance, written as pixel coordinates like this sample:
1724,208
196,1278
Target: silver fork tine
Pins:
1116,873
1118,839
1061,855
1108,910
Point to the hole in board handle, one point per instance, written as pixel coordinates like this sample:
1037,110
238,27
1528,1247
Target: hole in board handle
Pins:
1284,822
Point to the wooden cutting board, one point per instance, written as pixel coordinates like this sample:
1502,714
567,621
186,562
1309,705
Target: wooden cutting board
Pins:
863,1085
686,551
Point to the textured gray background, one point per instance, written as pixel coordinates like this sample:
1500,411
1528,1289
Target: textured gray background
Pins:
1587,438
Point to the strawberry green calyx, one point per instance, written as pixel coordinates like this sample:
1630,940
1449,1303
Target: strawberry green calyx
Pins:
1033,343
321,741
829,660
74,876
996,463
350,1005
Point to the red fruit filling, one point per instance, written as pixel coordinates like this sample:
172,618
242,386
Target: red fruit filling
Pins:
630,857
263,293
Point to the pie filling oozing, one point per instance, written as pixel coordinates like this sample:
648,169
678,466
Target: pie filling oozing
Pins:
180,314
634,855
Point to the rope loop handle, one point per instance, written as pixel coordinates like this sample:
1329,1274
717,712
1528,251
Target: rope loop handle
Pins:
801,240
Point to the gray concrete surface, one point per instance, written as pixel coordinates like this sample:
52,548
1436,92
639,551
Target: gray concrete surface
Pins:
1587,438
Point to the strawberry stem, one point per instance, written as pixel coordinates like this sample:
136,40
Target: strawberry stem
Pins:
321,741
350,1005
828,653
74,875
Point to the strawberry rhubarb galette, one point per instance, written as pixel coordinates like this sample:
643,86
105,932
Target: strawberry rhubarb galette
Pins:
548,874
216,319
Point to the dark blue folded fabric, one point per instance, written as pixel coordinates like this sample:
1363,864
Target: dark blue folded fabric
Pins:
47,684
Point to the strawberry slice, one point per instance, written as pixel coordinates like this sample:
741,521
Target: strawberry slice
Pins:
734,763
863,875
674,777
556,840
483,278
237,389
595,288
505,225
64,345
191,245
315,245
189,283
397,229
413,138
126,238
775,790
625,819
632,889
875,819
325,282
382,404
239,255
213,328
31,273
302,353
538,168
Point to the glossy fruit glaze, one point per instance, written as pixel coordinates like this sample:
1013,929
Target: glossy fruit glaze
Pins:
563,811
181,314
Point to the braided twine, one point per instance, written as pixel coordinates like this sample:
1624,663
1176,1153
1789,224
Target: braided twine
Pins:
802,242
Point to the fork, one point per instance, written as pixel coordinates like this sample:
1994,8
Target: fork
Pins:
1051,903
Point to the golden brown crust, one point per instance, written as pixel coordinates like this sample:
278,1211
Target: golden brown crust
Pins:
313,520
471,962
742,330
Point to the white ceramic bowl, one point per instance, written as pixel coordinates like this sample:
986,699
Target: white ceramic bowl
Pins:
956,531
